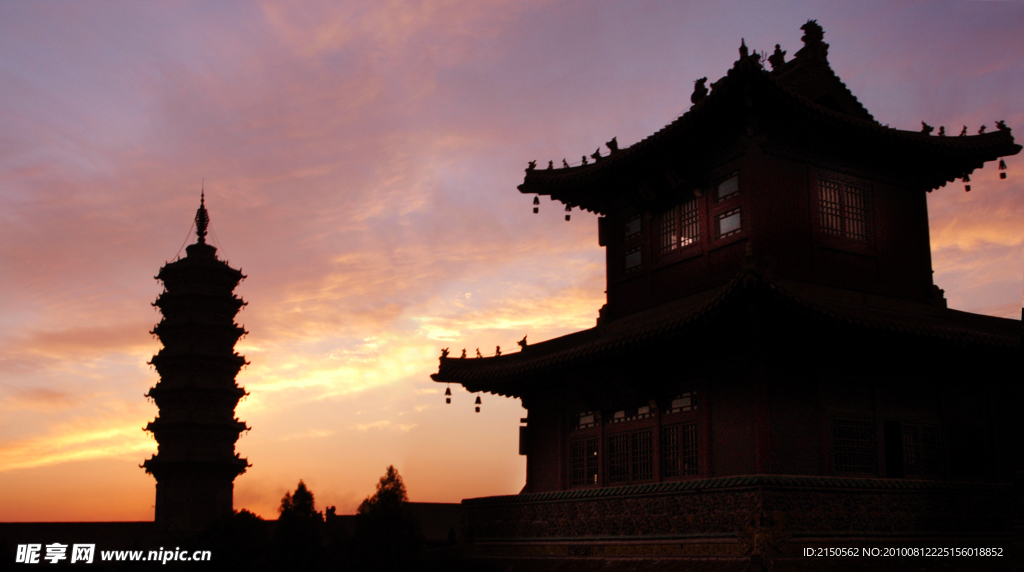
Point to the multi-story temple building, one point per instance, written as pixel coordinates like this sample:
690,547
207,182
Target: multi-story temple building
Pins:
774,368
196,429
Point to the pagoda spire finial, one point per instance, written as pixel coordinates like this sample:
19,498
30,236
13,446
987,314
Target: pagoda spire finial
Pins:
202,218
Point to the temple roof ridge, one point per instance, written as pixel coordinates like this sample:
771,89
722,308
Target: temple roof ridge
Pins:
878,313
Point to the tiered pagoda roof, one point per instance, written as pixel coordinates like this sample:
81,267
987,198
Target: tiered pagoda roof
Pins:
800,108
678,323
797,106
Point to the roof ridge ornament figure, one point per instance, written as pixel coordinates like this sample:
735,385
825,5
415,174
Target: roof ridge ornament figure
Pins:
700,91
613,145
981,131
1001,125
522,343
926,129
963,131
942,131
597,155
814,46
531,166
778,57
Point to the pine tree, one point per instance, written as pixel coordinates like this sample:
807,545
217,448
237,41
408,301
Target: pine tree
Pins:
390,494
387,535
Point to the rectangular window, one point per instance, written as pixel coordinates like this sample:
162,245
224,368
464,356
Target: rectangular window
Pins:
583,458
684,402
630,457
855,446
586,419
621,415
921,452
632,226
633,259
728,187
679,451
843,210
679,227
728,223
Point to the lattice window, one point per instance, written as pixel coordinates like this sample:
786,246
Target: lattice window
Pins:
689,229
668,236
679,227
855,446
967,452
921,451
642,456
583,462
843,210
630,457
679,451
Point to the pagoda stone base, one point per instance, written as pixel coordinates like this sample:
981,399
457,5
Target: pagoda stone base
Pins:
758,521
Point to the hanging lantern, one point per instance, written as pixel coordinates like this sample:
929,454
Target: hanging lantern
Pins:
478,404
448,395
536,202
568,209
1002,169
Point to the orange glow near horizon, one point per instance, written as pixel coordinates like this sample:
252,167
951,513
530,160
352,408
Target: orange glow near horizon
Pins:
360,163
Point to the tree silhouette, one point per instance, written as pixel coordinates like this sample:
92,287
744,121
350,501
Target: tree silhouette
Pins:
389,496
387,536
301,505
299,541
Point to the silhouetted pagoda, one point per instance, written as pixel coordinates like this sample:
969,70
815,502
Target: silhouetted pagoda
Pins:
196,428
774,368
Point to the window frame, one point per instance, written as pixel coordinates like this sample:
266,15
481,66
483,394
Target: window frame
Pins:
840,240
872,449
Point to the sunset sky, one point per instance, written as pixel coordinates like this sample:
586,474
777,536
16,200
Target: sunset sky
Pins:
360,163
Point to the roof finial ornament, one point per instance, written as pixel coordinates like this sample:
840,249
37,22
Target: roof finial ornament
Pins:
1001,125
744,53
613,145
700,91
565,164
963,131
812,39
202,218
778,58
926,129
522,343
942,131
982,130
